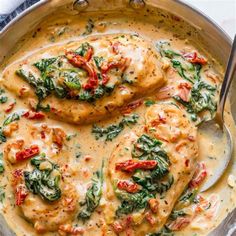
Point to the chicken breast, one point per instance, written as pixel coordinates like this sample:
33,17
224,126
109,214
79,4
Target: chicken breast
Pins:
149,169
87,80
40,176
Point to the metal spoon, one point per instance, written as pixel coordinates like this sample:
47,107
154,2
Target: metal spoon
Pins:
216,127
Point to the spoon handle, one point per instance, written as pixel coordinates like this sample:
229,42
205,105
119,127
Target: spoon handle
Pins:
229,75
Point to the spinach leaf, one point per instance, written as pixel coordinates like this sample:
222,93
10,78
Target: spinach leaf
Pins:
180,69
2,194
89,27
72,82
201,99
98,61
147,148
3,99
93,196
2,91
3,138
43,182
152,184
60,92
29,78
83,49
188,196
40,107
113,131
44,64
1,163
132,201
149,103
11,118
165,231
175,214
37,84
152,181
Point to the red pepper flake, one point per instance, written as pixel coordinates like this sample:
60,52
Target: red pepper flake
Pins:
87,158
27,153
187,162
131,106
32,115
128,186
199,175
194,58
20,194
10,107
131,165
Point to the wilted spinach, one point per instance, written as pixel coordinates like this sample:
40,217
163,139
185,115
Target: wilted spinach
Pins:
42,182
11,118
93,196
89,27
165,231
113,131
2,194
153,182
132,201
201,99
1,163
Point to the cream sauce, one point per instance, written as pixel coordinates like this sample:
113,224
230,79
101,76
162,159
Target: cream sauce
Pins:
83,153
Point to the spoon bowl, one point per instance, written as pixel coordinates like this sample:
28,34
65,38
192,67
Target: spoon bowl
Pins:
216,128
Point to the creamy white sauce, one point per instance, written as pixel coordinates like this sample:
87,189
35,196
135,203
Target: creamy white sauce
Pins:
153,30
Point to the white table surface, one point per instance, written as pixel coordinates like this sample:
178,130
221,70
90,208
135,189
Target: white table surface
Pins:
222,12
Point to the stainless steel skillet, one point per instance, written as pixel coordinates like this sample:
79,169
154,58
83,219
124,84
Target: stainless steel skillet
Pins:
215,40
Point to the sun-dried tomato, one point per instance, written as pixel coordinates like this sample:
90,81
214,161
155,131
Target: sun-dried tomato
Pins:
128,186
132,165
72,230
115,47
199,175
89,54
17,177
10,107
27,153
184,91
81,62
121,64
179,223
131,106
20,194
194,58
32,115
